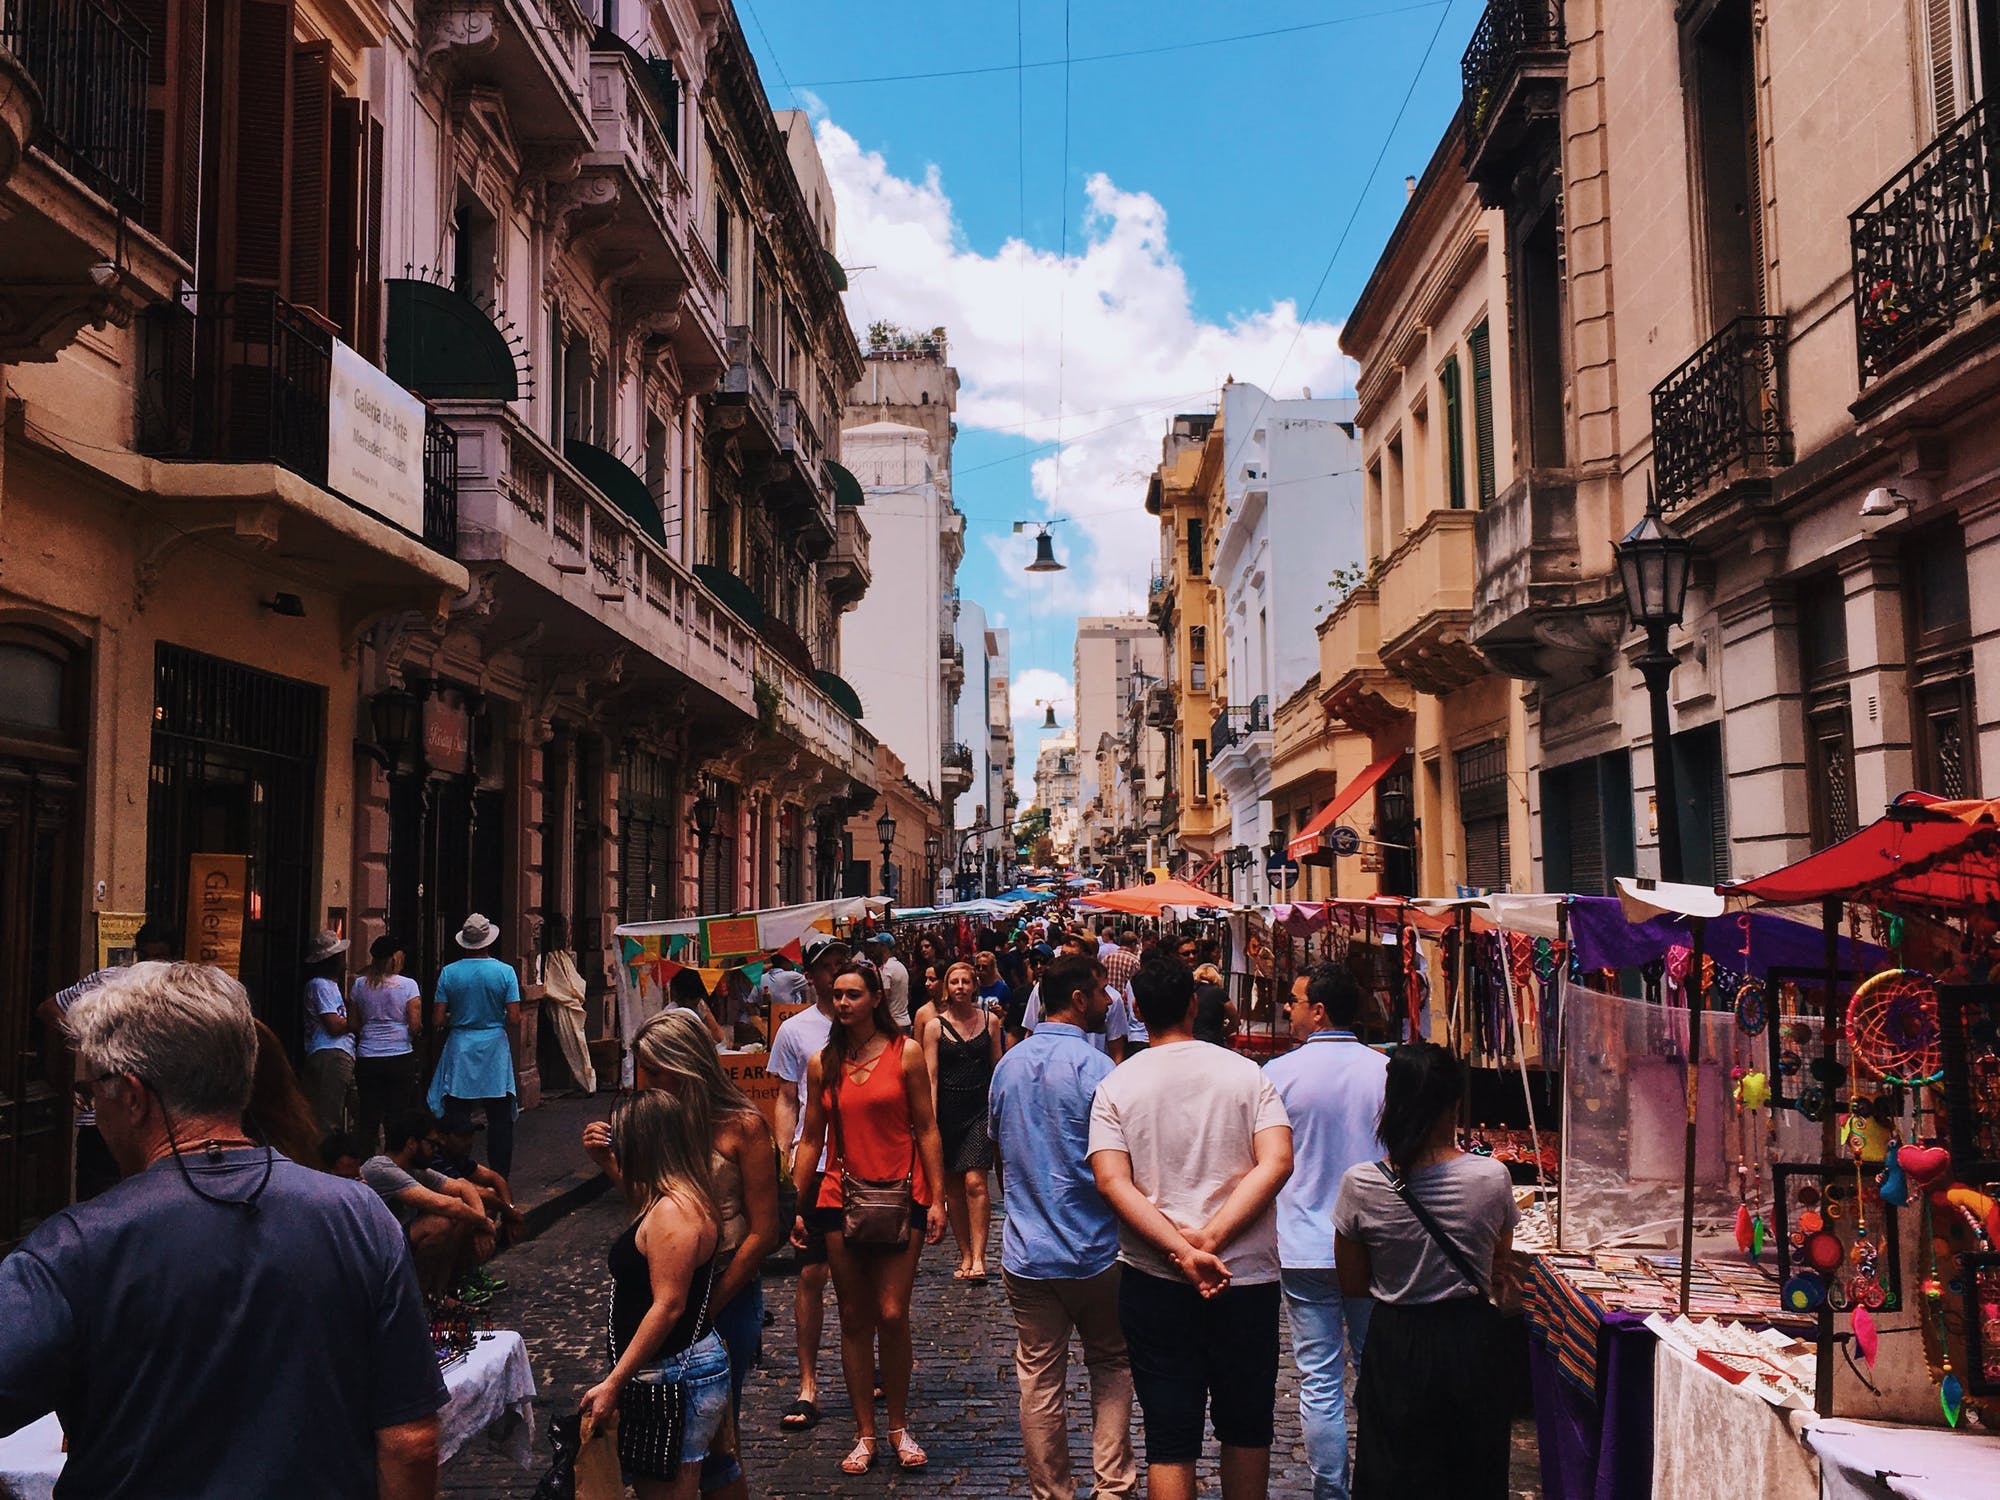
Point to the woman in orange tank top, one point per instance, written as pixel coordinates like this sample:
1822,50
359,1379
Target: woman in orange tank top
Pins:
877,1081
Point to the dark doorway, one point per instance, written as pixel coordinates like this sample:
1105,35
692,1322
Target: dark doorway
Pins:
236,770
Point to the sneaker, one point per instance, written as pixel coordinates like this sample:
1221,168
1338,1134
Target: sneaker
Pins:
485,1280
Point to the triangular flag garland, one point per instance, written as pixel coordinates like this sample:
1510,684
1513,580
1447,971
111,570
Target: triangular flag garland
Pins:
711,979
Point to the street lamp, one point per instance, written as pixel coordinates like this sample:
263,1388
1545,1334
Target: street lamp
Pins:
933,857
885,830
1653,565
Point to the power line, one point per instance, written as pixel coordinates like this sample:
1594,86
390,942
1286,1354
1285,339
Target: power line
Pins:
757,21
1018,66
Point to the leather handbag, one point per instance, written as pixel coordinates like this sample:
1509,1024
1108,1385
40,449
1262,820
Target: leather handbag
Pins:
873,1212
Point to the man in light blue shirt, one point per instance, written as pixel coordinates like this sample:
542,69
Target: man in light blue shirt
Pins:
1331,1085
1059,1249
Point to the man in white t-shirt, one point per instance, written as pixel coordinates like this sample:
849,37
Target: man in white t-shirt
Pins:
800,1039
895,977
1190,1144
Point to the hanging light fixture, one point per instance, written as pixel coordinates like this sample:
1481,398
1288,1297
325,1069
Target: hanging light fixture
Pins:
1045,547
1049,721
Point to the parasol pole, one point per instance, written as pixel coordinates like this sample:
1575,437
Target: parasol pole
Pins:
1828,1145
1562,1053
1698,935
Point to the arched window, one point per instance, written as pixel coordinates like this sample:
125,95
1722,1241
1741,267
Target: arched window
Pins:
38,687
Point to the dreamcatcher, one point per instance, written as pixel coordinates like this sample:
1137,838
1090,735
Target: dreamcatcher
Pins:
1892,1028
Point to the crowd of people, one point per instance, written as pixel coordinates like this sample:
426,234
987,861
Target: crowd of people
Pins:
1164,1197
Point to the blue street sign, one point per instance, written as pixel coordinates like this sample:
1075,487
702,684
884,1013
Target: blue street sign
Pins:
1344,840
1282,872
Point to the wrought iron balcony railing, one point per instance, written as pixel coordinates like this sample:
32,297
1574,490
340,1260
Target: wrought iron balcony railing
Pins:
1722,413
1507,30
244,377
1238,722
1924,246
89,60
954,754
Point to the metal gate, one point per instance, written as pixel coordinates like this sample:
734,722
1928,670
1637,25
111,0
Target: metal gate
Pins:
236,770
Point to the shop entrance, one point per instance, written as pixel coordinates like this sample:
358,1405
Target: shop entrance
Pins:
236,770
41,769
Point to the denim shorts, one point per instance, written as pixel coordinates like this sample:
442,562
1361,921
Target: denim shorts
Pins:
702,1371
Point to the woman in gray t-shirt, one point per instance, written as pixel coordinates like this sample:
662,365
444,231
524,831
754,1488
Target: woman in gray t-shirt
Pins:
1432,1356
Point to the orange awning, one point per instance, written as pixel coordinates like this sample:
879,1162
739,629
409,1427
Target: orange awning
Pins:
1307,840
1146,900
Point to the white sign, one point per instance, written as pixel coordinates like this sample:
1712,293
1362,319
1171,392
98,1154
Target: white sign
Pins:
375,441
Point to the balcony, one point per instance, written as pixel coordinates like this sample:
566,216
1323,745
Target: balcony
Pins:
72,176
951,657
844,573
803,490
1161,710
748,398
534,53
1538,612
1237,726
552,535
1358,690
645,227
1160,597
1426,595
1927,268
1719,420
955,769
1513,73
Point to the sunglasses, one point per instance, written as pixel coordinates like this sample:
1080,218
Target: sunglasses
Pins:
85,1092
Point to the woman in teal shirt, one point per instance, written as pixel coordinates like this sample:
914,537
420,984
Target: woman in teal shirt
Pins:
478,1007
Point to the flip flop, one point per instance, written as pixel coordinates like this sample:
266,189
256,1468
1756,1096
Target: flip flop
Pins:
800,1416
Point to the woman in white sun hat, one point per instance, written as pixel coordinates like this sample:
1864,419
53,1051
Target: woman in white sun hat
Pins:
328,1074
478,1007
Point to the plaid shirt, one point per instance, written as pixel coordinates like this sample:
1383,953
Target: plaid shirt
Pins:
1119,967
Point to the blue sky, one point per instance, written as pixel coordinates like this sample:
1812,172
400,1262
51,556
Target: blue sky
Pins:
1206,189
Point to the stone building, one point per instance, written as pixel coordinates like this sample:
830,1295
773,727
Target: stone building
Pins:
418,484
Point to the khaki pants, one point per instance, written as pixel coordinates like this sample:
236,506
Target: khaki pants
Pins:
326,1080
1044,1314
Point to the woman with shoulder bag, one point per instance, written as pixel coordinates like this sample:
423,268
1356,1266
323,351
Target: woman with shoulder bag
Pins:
669,1380
871,1091
1429,1235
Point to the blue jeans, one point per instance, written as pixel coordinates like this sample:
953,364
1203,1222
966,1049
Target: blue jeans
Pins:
741,1325
1324,1326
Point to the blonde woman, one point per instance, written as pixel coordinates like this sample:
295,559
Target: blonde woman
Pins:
672,1052
961,1042
669,1380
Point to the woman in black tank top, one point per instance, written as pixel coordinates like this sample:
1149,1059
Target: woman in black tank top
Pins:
669,1380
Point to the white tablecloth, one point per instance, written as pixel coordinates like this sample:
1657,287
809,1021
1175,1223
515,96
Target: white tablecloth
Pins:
1875,1461
491,1388
1703,1427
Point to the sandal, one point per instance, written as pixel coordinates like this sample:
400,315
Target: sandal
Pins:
800,1416
862,1458
908,1454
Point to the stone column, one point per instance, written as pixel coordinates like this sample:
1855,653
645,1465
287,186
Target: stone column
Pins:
1981,521
1764,731
1879,679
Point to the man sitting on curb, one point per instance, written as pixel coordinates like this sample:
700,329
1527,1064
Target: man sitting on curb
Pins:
445,1220
455,1129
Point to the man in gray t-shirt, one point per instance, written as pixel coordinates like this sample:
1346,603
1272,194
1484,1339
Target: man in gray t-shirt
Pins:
444,1217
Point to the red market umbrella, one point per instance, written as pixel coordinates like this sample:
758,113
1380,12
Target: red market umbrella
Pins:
1924,853
1146,900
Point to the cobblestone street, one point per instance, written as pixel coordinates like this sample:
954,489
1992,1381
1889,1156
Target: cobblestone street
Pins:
963,1406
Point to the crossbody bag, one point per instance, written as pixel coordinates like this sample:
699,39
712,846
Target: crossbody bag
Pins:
1458,1258
873,1212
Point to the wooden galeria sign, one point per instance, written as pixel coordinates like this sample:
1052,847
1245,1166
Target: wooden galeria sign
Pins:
218,895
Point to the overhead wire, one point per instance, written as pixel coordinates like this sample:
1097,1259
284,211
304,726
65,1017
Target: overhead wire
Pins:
1021,66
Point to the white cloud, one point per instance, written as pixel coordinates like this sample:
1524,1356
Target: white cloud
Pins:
1028,697
1106,334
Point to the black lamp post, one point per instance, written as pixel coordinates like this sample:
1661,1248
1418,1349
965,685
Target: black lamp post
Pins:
885,830
395,715
933,857
1653,565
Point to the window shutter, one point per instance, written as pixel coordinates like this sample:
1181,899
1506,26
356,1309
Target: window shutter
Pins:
255,223
368,318
667,89
1480,343
1454,432
1944,62
174,39
348,119
316,212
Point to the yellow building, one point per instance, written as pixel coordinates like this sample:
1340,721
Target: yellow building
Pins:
1397,663
1181,603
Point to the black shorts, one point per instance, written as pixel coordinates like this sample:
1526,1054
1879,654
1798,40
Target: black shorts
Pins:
814,1253
1193,1355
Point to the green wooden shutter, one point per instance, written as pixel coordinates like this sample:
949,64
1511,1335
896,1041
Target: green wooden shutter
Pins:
1480,343
255,223
310,185
1454,432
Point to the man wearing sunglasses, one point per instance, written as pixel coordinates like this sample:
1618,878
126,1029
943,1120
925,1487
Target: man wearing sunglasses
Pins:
217,1279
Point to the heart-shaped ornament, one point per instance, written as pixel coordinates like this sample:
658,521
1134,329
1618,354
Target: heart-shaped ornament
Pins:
1923,1165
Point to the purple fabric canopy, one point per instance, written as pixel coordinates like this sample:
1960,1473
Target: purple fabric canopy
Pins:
1605,940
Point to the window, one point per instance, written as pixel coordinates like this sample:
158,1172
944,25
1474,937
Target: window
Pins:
647,829
1541,374
1200,748
1961,56
1197,658
1194,542
1829,726
722,237
1482,813
1395,519
1454,434
1726,151
791,855
1702,786
718,854
1940,630
721,526
1480,345
1587,839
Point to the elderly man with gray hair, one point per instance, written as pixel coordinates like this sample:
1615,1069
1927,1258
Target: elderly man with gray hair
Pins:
224,1321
